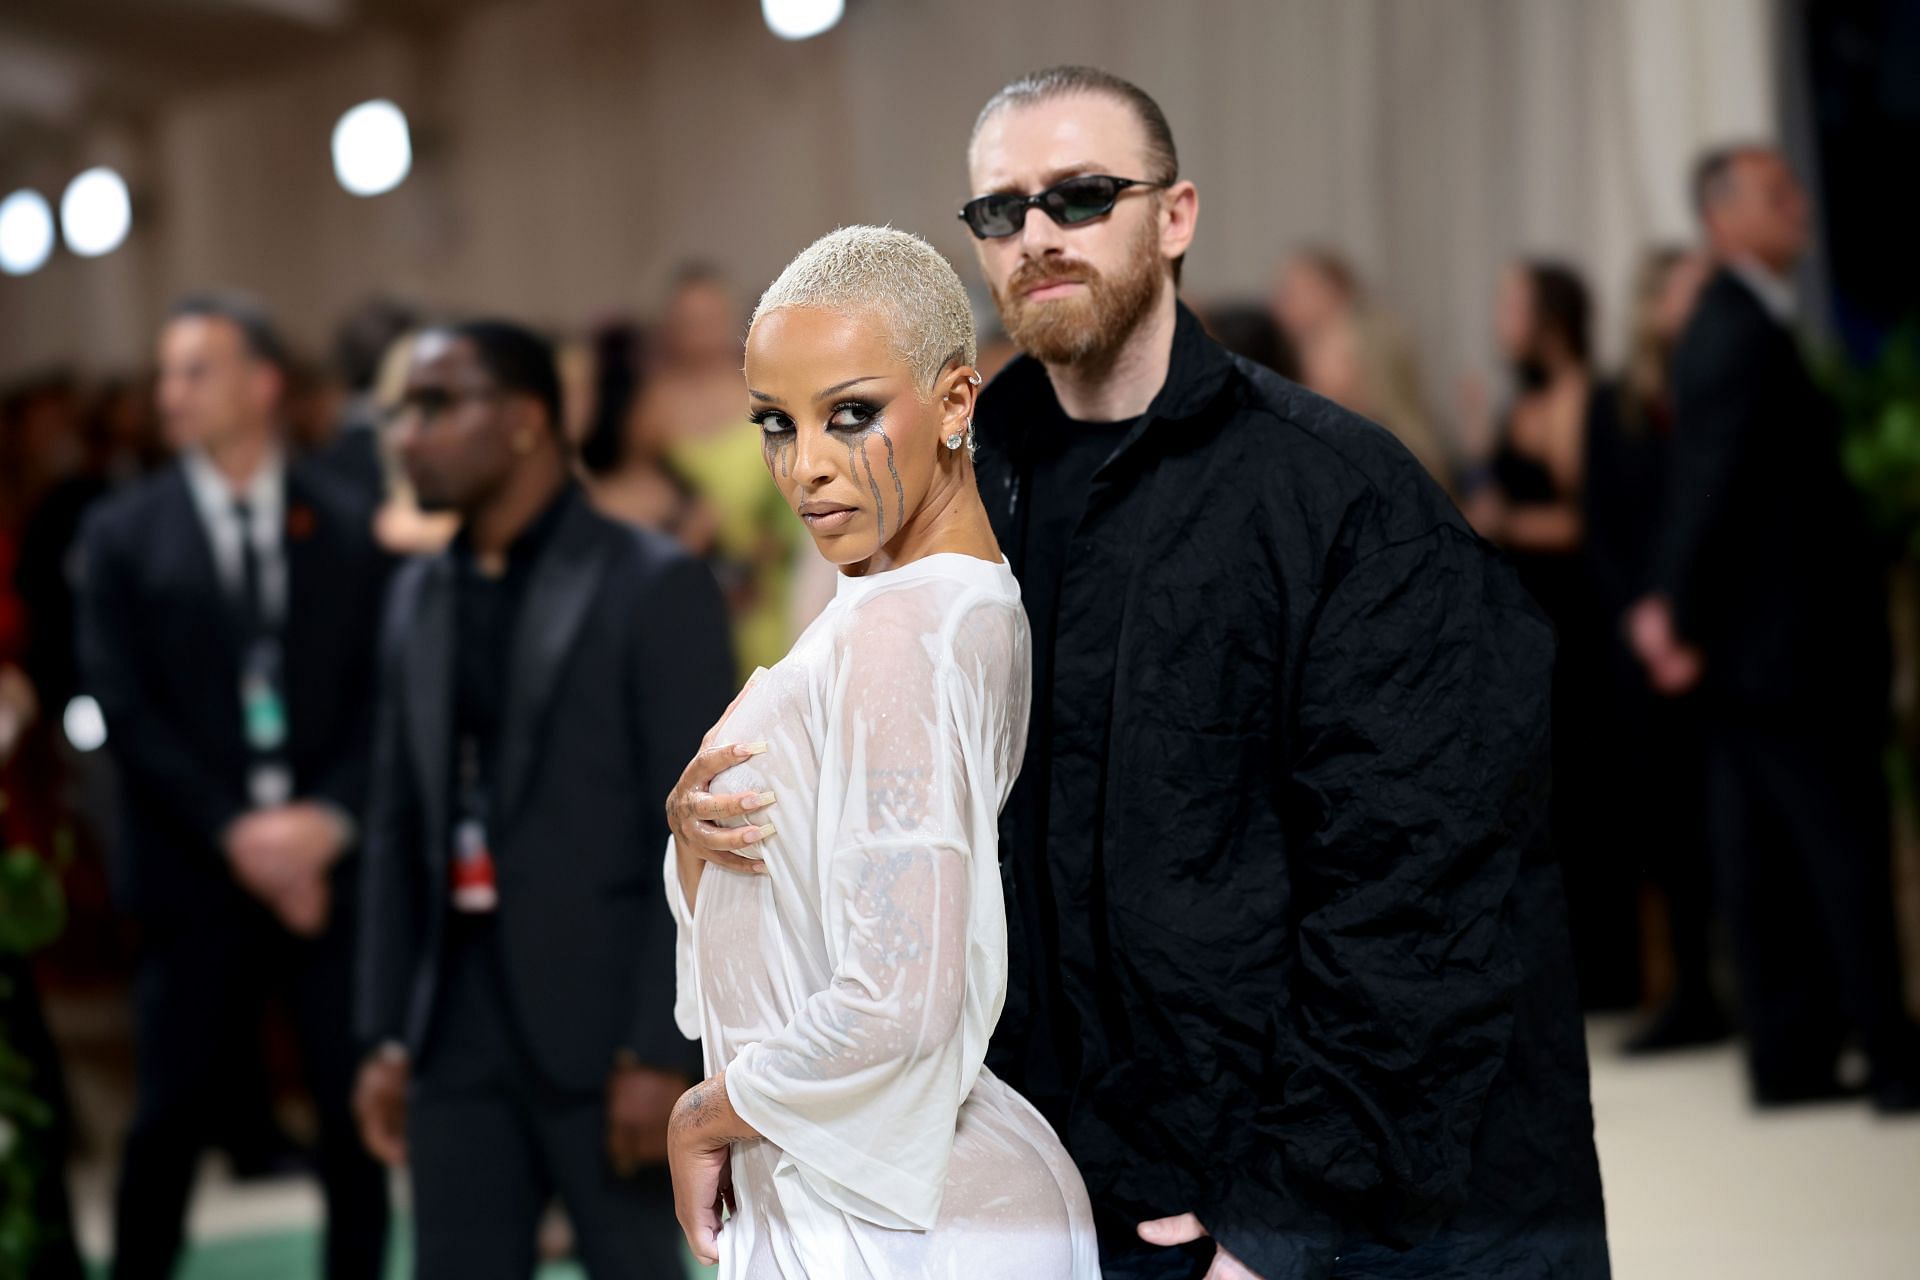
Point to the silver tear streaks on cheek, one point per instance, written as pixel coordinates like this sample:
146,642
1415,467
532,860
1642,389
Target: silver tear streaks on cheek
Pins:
854,455
899,490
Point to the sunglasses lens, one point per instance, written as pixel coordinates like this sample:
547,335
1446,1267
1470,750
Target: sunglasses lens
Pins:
1082,199
992,216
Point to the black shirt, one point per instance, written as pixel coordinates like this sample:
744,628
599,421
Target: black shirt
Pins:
1067,453
486,614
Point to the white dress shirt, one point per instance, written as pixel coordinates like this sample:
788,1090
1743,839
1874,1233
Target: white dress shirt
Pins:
265,494
1776,293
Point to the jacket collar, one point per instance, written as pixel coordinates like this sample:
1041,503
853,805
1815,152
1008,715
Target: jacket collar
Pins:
1196,371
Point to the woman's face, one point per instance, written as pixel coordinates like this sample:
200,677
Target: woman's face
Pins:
854,445
1513,315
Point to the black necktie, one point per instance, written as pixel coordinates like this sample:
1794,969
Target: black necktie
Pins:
253,608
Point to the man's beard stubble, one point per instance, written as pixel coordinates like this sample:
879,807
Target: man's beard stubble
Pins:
1090,329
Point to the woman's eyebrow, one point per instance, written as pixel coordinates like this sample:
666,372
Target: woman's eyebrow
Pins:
838,387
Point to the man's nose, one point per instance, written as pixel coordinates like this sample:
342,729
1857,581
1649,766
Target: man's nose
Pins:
1039,234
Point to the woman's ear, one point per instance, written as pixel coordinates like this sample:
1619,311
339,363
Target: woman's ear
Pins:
959,390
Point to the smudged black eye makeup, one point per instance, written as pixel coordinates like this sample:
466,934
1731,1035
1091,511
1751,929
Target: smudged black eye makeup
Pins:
771,422
854,415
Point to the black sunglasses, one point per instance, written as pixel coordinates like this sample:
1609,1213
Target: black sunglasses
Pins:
1070,202
432,402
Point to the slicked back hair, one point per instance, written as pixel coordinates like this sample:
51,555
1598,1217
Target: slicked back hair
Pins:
1163,160
1713,172
243,312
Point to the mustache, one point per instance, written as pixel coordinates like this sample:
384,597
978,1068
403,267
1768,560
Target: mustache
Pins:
1045,271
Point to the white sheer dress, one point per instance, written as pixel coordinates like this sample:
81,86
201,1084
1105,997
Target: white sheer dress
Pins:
849,992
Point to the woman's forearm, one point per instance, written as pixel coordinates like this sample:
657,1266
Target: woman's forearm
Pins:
704,1117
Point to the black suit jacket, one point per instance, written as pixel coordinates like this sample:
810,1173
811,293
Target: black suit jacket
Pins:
1765,552
159,641
620,663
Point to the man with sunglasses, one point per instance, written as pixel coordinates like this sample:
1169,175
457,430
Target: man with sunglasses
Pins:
516,954
1289,962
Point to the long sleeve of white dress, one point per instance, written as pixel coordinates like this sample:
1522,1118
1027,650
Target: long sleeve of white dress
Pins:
862,1086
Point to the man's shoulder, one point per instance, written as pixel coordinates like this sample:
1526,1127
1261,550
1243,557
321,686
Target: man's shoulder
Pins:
638,550
1305,445
138,505
646,563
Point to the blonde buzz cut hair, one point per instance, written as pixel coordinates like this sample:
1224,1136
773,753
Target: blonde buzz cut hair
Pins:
892,274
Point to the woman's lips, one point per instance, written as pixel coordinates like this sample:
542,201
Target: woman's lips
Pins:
827,521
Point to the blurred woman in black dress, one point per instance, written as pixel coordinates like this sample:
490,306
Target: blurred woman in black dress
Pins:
1648,746
1527,498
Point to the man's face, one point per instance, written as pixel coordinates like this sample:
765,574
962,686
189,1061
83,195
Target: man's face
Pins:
1763,212
1069,295
454,428
211,388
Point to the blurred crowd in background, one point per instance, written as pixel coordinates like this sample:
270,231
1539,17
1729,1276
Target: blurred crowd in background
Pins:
1563,462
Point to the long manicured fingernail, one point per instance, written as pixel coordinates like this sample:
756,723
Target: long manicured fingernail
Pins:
762,831
750,749
760,801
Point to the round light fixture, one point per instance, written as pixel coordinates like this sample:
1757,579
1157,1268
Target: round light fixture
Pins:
372,149
801,19
26,232
95,212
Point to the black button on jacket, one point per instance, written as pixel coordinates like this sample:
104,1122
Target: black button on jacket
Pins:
1296,929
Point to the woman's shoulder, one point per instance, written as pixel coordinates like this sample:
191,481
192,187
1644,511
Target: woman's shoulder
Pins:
958,605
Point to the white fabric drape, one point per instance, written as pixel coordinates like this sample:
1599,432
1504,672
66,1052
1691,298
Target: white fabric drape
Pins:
849,993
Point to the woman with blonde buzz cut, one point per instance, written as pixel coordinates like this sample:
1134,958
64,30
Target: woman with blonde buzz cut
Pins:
844,989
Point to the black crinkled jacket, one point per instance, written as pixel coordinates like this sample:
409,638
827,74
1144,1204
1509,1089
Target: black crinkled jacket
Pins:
1304,935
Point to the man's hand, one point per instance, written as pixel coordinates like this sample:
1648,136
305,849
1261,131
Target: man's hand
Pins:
1167,1232
380,1107
281,856
639,1100
1673,666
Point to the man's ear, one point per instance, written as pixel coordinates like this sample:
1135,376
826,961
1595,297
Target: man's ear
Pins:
1179,215
269,386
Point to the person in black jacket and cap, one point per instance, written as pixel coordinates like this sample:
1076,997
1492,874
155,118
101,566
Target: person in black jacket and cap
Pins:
1289,969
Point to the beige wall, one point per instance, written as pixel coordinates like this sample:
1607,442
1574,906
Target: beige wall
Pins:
571,151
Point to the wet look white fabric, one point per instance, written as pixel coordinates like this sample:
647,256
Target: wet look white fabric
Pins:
849,992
